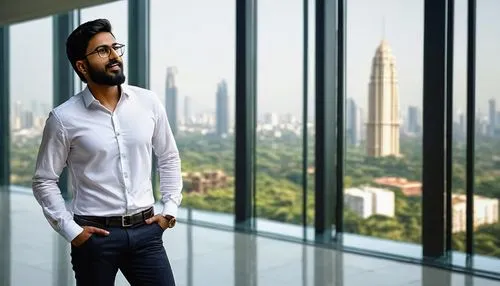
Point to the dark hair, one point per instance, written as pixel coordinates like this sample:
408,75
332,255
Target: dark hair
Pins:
78,40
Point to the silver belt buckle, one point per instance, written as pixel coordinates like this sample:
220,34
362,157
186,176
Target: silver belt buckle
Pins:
123,221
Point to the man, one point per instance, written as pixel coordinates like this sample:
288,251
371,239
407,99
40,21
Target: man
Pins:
105,135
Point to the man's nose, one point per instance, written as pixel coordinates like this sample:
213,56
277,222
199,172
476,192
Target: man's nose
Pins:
113,54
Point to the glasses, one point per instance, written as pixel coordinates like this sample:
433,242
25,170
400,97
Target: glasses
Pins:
105,51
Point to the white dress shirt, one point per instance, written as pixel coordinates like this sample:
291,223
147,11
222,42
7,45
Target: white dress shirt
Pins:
108,156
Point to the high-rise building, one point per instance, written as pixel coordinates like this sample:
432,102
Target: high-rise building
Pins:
353,124
26,119
413,120
187,109
171,99
497,119
16,115
271,118
382,130
461,123
481,125
222,109
492,116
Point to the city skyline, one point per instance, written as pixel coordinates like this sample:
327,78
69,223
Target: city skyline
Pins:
176,39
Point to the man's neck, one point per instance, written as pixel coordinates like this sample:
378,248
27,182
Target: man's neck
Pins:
108,96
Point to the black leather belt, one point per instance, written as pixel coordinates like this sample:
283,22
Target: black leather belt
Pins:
120,221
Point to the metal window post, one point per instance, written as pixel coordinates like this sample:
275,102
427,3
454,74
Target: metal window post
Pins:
326,119
433,169
4,108
246,79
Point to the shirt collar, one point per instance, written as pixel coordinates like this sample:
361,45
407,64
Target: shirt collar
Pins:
88,97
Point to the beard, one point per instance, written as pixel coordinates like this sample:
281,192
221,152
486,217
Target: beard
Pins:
105,77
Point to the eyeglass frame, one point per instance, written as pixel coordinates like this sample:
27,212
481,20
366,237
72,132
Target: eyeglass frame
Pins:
114,47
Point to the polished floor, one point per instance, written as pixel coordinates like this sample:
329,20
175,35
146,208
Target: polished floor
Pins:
32,254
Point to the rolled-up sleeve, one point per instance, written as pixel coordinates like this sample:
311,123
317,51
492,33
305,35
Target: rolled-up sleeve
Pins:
51,160
169,162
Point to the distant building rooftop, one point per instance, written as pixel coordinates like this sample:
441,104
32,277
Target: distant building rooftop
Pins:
409,188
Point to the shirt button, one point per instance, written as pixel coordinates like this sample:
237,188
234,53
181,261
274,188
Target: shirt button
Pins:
125,175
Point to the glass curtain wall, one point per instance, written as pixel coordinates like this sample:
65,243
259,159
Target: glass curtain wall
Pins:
383,125
192,69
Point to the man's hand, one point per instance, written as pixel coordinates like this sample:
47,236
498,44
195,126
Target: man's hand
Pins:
161,220
86,234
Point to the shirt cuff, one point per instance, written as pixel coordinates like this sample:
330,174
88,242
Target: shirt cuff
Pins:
170,208
71,230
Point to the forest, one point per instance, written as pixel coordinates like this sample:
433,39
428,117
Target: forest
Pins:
279,181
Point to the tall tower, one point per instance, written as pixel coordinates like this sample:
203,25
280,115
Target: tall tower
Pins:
222,106
382,130
16,118
413,120
171,99
353,122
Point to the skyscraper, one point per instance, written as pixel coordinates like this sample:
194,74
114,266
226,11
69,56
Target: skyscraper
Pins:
16,118
222,106
413,120
461,123
171,99
353,124
382,130
187,109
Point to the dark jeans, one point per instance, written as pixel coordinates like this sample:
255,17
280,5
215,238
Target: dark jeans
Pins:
137,251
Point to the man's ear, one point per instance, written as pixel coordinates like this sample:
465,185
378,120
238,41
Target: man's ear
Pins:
80,65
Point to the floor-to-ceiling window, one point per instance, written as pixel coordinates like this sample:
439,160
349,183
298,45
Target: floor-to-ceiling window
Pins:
31,90
30,93
486,197
383,125
459,126
192,70
279,128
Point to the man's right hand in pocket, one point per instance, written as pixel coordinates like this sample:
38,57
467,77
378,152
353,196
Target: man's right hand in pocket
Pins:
87,232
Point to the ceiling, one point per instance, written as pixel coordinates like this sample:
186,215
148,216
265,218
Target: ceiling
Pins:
14,11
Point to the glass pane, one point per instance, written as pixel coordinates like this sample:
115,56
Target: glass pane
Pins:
279,111
487,125
31,91
311,121
382,194
459,129
30,97
192,71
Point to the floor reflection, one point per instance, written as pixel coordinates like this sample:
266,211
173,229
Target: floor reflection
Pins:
245,260
328,268
5,236
63,273
190,255
33,254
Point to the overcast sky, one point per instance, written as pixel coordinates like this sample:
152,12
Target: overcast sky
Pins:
198,37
